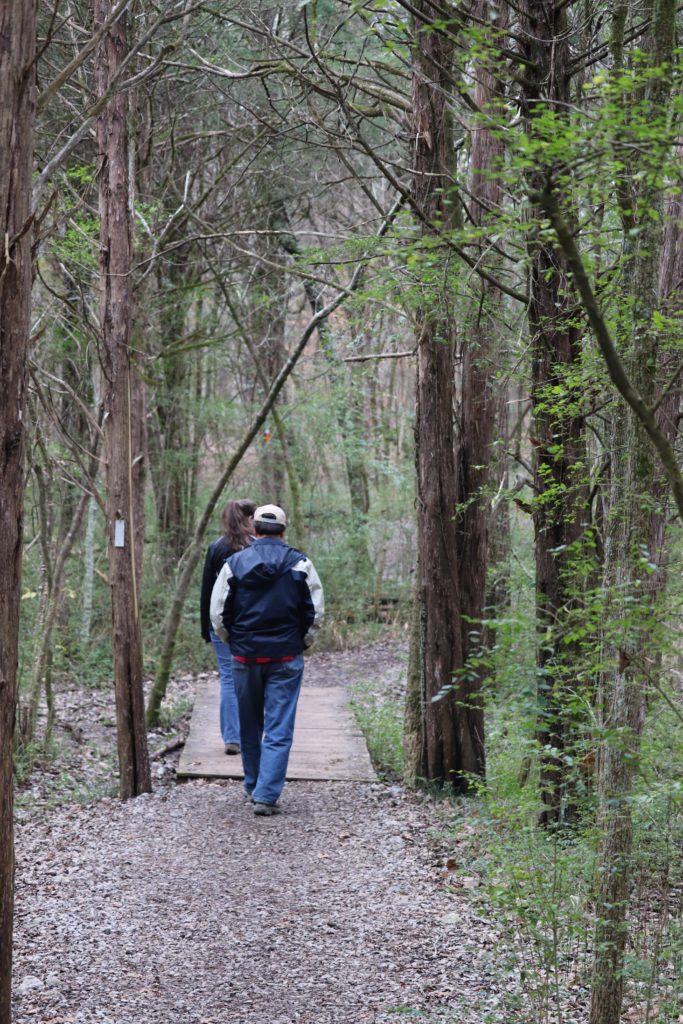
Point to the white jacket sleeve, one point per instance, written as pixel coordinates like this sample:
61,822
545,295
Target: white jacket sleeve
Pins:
315,589
219,596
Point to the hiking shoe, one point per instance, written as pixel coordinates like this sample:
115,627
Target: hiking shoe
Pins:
265,810
246,793
232,748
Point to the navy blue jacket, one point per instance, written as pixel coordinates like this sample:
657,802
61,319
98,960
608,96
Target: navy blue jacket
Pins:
216,556
268,599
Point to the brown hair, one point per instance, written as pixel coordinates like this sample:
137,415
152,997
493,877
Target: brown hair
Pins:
236,525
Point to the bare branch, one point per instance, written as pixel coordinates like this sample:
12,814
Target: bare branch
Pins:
66,73
116,85
379,355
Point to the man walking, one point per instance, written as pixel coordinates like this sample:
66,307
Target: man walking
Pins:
267,604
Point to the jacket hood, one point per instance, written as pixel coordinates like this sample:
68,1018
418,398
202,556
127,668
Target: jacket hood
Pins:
263,562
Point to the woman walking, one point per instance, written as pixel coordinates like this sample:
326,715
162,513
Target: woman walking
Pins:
238,526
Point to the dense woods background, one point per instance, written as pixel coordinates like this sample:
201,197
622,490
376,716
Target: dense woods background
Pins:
411,270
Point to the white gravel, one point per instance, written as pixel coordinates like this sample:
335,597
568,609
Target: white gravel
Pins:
184,906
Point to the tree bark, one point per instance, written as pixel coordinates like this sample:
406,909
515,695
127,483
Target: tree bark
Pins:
498,588
453,738
123,423
558,438
478,398
17,110
671,305
633,514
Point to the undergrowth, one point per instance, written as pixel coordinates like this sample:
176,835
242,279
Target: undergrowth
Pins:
537,885
381,722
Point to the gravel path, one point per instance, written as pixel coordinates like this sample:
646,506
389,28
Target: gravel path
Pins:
183,906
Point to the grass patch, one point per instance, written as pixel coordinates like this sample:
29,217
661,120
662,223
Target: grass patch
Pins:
381,722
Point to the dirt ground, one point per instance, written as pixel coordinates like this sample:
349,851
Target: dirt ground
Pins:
182,905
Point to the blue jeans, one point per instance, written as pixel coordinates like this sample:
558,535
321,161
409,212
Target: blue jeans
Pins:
229,714
267,696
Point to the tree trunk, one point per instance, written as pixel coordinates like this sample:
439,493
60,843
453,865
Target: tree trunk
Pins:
42,657
478,399
671,305
633,519
558,440
123,423
414,714
17,108
500,537
267,321
453,740
173,459
88,585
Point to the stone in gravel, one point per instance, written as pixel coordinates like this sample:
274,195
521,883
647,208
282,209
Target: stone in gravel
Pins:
469,882
29,984
452,918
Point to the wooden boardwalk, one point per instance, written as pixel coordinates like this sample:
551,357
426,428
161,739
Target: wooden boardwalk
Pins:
327,742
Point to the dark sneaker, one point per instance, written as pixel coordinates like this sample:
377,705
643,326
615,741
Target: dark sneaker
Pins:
247,793
265,810
232,748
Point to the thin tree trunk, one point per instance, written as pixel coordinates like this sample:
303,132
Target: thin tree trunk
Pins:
295,513
89,540
345,401
414,714
87,589
123,427
631,528
17,108
267,322
173,468
500,540
671,300
478,397
43,654
28,709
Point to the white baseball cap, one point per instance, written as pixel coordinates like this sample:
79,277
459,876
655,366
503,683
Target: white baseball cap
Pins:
270,514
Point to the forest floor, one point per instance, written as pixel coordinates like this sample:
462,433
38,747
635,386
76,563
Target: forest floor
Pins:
182,905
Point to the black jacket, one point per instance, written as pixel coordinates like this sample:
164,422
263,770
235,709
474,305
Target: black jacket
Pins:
273,600
216,556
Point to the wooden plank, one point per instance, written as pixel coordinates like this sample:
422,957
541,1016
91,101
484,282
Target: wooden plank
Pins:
327,742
